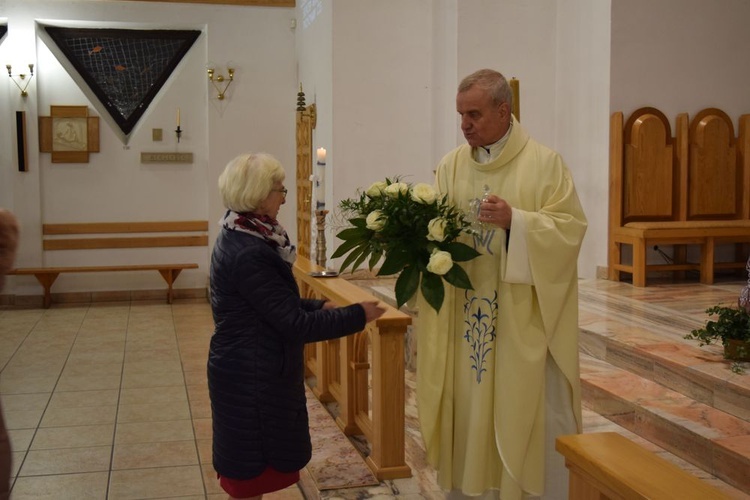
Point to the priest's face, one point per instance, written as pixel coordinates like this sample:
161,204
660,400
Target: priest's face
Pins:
482,121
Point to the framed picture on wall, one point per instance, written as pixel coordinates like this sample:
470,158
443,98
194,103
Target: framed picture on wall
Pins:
69,133
123,68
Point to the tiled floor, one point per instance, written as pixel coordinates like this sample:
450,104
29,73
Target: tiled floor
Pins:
109,401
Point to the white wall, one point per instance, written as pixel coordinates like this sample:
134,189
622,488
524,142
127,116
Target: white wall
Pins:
383,74
381,83
258,114
680,56
370,78
582,115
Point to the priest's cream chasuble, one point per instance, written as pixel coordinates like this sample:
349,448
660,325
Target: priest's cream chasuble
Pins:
483,361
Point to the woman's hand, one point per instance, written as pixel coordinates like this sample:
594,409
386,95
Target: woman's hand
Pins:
372,310
329,304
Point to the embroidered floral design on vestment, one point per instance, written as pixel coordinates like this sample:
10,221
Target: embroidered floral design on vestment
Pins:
480,316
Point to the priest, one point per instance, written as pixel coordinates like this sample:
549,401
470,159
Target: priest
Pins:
497,366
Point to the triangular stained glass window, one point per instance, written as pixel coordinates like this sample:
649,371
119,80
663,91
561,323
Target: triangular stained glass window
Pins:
124,68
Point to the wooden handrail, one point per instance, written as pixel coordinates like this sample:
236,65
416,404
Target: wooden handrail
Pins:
341,368
607,465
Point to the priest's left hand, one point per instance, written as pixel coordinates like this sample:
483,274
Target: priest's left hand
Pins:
496,211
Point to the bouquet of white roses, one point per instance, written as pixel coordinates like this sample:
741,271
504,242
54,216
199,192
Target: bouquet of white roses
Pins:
415,230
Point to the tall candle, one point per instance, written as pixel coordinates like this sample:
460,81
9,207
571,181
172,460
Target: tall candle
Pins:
178,117
322,155
321,191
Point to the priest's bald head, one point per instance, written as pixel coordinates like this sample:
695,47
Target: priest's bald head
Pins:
484,101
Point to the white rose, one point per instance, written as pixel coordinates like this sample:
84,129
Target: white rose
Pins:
375,220
440,262
423,193
397,187
376,189
436,229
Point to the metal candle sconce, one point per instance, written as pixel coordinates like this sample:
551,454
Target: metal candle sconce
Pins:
178,130
222,81
22,77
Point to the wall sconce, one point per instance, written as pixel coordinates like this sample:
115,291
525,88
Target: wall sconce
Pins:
22,77
220,82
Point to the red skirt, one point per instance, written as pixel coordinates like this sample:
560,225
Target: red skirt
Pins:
270,480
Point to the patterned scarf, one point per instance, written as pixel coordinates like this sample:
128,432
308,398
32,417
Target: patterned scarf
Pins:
263,227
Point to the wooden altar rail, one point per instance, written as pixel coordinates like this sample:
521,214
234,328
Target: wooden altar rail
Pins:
341,369
608,466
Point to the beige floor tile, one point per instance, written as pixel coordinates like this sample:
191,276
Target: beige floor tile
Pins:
200,408
154,412
153,432
73,437
197,377
148,395
167,356
89,486
66,461
209,480
149,455
91,369
291,493
12,402
205,451
151,337
152,368
96,357
88,382
97,346
194,365
64,417
143,380
23,419
155,483
197,392
20,439
95,332
203,428
78,399
26,385
16,459
18,367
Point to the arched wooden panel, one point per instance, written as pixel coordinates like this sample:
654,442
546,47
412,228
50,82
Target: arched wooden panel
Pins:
714,175
306,116
650,172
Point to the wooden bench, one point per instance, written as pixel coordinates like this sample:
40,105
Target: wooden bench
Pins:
692,189
88,236
607,465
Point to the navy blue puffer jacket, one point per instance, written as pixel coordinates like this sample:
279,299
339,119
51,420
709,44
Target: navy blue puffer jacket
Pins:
255,364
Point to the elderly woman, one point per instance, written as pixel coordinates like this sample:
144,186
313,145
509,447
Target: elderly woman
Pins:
8,244
261,437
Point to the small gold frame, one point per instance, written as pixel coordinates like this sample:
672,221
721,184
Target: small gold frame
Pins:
69,133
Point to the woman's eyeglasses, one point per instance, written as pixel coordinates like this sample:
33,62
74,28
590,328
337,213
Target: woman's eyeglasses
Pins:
282,190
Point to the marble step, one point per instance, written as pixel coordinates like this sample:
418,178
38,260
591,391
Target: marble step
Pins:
700,373
712,439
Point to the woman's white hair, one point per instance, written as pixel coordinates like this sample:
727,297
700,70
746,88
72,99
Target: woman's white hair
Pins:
248,180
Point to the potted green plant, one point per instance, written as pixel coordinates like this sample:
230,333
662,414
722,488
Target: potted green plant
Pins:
731,327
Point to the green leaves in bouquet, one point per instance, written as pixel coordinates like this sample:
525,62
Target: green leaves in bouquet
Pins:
406,224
